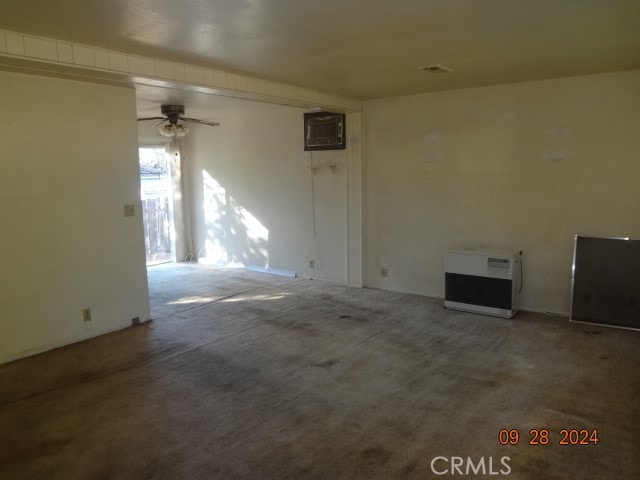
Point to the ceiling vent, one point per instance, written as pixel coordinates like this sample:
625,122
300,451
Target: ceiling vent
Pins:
324,131
436,69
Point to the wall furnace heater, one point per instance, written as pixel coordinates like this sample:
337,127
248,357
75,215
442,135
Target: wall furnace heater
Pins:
483,282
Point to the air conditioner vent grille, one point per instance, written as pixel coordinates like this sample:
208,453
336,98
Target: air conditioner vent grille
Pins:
324,131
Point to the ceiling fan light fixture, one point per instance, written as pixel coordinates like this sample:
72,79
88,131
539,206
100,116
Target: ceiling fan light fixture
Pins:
174,130
171,115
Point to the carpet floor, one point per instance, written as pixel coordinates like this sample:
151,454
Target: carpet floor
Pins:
245,375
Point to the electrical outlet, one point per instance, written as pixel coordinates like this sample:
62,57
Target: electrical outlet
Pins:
86,314
129,210
384,272
312,264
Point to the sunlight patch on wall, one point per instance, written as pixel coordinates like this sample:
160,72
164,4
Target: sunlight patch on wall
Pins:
234,236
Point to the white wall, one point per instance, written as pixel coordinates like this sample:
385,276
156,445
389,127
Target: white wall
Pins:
524,167
68,165
252,187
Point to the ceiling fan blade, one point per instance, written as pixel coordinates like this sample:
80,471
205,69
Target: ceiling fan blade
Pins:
196,120
150,118
158,122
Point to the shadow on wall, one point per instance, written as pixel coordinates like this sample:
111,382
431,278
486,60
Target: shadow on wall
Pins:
234,236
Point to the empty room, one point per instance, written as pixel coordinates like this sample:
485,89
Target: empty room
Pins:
320,240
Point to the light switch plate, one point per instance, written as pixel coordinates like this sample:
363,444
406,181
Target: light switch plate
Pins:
129,211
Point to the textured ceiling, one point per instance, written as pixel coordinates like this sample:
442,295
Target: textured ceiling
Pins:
358,48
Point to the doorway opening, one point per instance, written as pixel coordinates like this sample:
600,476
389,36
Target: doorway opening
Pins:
157,204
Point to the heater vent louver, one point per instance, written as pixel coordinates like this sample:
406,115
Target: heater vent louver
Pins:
324,131
483,282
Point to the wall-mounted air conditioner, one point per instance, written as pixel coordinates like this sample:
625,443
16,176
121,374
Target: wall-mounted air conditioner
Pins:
324,131
483,282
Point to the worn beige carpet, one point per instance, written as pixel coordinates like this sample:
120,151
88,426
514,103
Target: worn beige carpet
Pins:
245,375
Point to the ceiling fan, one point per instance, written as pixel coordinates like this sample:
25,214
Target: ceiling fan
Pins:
177,122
